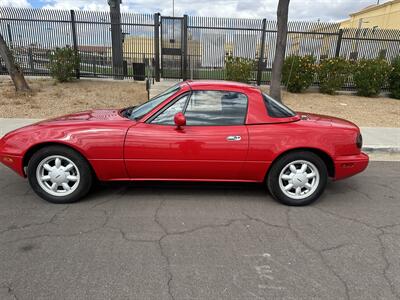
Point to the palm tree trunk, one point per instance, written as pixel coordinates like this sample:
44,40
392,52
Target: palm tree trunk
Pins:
15,73
281,37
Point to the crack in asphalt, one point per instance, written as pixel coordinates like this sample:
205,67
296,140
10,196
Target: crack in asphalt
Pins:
285,267
335,247
156,218
9,289
388,226
382,248
387,265
60,235
318,252
258,220
107,217
50,221
178,233
163,252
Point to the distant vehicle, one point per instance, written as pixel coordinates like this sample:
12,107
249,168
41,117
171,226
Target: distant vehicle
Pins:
194,131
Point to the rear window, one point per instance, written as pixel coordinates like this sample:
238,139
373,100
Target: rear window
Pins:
276,109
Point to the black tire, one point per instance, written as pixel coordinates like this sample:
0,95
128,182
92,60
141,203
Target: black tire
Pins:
85,172
281,163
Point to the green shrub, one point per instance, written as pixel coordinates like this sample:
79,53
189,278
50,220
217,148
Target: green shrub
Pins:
298,72
238,69
394,79
333,74
370,75
63,63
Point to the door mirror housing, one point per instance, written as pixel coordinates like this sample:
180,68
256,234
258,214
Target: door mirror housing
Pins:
179,119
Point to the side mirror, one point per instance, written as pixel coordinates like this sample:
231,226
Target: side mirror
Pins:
179,119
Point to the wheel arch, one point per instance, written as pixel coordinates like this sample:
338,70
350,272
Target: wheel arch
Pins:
326,158
34,148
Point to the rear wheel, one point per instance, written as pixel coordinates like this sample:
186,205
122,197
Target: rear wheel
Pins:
59,174
297,178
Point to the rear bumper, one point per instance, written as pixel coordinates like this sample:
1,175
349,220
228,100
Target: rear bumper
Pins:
346,166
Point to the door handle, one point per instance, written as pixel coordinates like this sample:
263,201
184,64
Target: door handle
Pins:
233,138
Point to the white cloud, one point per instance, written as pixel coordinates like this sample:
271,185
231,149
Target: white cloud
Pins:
15,3
77,4
325,10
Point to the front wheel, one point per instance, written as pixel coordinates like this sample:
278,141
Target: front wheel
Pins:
297,178
59,174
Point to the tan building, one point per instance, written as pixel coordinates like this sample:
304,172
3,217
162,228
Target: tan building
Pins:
377,16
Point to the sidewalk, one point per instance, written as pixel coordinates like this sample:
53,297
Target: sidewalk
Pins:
376,139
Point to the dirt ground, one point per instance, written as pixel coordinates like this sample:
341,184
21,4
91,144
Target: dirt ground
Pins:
363,111
51,99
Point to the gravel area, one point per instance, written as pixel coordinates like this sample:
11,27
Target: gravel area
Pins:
50,99
364,111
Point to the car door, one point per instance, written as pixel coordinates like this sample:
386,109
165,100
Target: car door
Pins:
212,146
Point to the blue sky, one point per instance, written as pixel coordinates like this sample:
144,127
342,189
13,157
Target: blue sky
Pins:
325,10
36,3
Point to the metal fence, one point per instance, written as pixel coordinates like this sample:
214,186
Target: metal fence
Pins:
178,47
33,34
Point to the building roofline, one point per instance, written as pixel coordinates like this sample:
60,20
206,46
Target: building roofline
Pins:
374,7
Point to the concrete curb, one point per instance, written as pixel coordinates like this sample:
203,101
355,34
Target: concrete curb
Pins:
381,149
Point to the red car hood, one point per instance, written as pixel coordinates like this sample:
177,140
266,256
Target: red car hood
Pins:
89,115
333,121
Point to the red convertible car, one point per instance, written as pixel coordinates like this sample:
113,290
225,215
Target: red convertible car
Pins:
194,131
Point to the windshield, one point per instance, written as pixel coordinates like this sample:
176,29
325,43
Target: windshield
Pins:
139,111
276,109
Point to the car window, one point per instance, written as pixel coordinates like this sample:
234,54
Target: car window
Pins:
167,116
276,109
216,108
141,110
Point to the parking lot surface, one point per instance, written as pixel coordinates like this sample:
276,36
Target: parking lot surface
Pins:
203,241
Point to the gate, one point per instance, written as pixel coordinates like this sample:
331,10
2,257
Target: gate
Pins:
173,43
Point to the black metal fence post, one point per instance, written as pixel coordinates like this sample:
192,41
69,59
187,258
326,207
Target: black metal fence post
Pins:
30,58
157,46
185,47
9,35
262,49
75,42
339,43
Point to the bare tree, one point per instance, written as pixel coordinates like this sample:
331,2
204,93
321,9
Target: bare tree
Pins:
15,72
281,37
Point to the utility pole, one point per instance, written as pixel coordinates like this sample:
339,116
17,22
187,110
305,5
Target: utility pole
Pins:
116,38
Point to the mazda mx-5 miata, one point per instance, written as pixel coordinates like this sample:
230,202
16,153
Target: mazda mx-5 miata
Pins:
194,131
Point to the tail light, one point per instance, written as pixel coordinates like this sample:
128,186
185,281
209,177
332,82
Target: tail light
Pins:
359,141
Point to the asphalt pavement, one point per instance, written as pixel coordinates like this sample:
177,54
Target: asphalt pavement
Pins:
203,241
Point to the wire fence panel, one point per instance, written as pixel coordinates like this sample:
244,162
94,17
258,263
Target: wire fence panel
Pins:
211,40
187,47
33,34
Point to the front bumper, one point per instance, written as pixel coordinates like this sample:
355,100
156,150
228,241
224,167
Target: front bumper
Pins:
12,161
346,166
